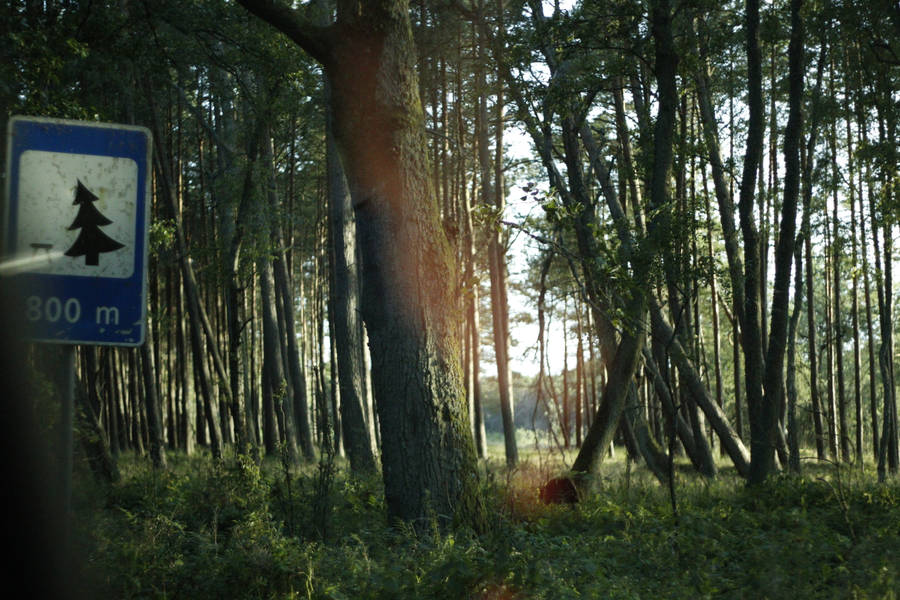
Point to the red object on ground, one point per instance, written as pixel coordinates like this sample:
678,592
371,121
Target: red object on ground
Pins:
559,490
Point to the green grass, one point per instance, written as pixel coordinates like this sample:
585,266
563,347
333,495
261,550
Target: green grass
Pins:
235,530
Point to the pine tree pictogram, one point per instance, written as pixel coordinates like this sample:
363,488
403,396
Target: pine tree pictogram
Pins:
91,241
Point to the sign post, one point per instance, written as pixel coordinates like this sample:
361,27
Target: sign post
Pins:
75,243
76,221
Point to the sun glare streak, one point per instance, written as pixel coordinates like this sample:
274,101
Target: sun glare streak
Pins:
28,263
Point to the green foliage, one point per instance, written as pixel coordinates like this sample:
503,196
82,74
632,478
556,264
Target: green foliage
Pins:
207,530
162,236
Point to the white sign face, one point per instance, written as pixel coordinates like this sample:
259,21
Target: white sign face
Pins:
51,213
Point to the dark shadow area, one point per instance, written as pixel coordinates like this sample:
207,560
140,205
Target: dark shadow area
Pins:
38,562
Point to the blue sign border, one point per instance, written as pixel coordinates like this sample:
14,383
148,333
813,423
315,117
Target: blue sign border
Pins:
93,294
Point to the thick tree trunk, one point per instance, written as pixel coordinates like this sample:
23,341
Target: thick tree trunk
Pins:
428,457
409,292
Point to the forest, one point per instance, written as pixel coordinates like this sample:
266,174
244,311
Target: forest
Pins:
473,299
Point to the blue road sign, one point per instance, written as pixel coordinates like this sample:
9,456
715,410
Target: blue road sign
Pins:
77,213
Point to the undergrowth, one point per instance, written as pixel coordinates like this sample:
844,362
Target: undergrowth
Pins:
235,529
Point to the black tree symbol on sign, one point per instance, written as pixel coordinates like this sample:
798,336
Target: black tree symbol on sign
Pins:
91,241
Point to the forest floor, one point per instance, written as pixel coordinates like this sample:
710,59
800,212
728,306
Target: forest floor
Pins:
237,530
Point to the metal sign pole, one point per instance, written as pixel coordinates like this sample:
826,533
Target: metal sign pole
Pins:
67,422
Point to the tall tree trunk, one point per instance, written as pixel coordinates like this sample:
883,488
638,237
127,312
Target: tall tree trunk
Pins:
188,423
730,441
199,322
196,313
857,376
492,196
890,185
870,329
234,239
659,226
621,360
624,362
473,358
888,456
250,375
296,402
806,226
565,422
837,317
714,302
831,410
724,194
579,377
172,431
348,330
154,415
273,366
428,457
784,252
793,435
508,408
761,437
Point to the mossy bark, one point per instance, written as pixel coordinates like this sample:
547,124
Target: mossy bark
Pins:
410,296
409,302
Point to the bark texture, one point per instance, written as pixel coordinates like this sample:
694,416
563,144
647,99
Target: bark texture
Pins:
348,330
409,294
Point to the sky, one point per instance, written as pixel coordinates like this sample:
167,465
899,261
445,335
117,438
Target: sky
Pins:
523,353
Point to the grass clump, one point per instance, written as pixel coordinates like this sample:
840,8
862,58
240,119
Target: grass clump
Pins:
238,530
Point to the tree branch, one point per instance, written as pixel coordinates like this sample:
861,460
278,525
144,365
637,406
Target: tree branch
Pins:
313,39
